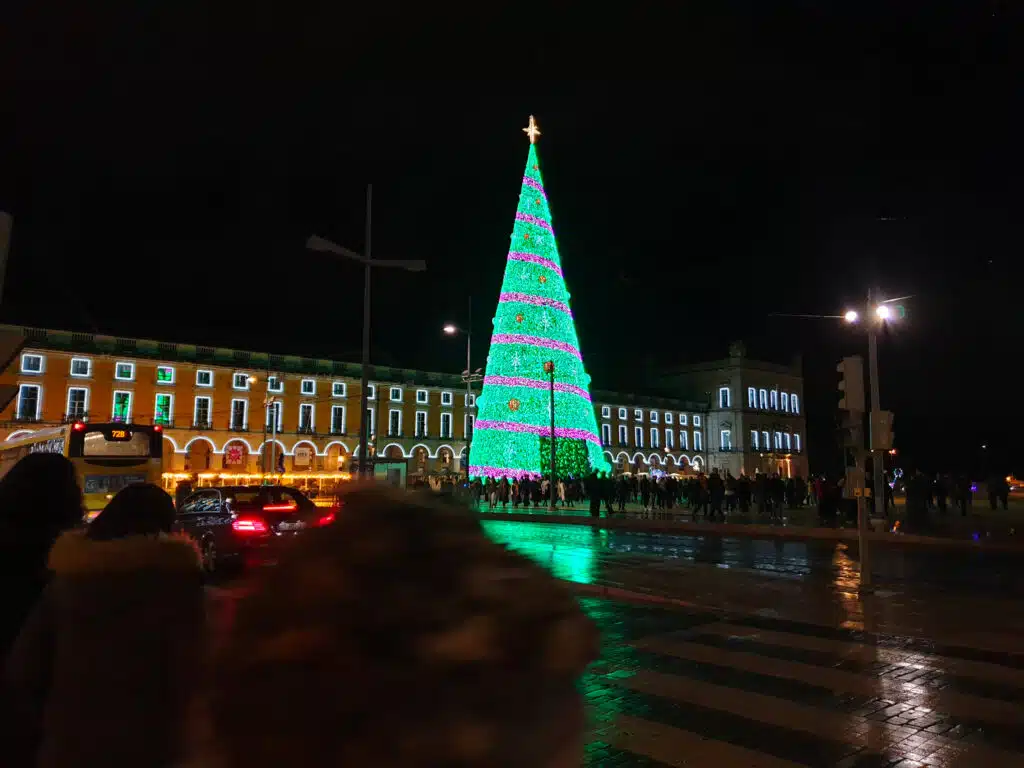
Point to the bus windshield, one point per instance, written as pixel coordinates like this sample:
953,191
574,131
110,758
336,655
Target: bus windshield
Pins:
112,442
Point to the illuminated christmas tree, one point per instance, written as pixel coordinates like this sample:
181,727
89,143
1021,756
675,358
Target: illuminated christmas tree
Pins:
534,326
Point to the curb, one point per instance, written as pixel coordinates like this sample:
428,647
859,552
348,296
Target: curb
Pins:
755,531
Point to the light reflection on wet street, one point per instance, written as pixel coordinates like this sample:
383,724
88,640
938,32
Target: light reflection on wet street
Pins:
776,660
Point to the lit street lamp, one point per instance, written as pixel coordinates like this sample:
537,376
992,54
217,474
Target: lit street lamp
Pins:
315,243
468,375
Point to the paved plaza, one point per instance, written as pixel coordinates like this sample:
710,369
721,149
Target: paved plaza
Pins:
742,653
736,652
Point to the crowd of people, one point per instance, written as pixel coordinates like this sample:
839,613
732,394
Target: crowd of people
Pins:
707,496
398,636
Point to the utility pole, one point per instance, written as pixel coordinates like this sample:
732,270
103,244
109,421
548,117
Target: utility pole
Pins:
877,454
549,368
365,468
316,243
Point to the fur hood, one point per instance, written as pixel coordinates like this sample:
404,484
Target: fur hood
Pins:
76,554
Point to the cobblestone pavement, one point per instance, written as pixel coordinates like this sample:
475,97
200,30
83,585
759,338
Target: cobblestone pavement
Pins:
770,657
744,653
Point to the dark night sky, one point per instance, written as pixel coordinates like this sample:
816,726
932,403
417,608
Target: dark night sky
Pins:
166,163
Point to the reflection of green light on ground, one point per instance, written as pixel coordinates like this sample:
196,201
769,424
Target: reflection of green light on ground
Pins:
570,555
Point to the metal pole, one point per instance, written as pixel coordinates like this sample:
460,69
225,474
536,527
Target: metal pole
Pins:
469,380
273,440
266,418
552,480
364,425
877,460
865,549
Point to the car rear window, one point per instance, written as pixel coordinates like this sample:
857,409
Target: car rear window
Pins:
247,499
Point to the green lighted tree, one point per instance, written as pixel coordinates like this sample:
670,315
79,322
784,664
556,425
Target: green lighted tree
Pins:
534,325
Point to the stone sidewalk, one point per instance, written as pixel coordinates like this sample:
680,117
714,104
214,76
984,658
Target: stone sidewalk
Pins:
974,532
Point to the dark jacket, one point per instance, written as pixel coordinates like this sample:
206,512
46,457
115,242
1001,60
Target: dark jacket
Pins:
103,669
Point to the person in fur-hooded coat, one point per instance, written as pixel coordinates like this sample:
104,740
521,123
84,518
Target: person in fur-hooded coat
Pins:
101,673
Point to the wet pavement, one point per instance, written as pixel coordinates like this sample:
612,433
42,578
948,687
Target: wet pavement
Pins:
770,657
733,652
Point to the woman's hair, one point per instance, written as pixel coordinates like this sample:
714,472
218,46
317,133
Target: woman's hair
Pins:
40,497
137,510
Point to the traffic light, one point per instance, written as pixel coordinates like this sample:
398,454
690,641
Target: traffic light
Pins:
881,431
851,385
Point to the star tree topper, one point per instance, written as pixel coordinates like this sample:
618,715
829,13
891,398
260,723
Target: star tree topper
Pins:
532,130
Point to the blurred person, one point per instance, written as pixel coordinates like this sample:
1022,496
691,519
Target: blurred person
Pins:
39,499
399,637
101,672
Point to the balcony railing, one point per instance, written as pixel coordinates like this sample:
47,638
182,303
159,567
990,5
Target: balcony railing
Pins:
306,430
71,418
202,425
24,419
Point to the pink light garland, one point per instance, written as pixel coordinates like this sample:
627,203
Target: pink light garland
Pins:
535,341
540,301
534,220
535,259
534,184
535,429
522,381
500,472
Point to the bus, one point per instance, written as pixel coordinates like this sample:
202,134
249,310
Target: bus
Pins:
107,457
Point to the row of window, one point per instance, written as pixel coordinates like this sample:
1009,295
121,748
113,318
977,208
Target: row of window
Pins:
81,367
762,441
655,437
29,408
653,416
764,399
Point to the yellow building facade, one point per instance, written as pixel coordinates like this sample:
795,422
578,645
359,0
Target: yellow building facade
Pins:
234,414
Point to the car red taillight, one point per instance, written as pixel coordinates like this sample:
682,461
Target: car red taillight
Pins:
326,519
249,525
279,508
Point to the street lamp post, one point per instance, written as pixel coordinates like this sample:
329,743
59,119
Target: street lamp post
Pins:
877,456
316,243
468,375
549,369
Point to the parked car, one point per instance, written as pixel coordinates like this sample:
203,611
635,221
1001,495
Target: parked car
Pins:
242,524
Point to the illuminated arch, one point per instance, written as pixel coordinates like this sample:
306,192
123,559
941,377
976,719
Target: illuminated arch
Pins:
213,446
622,455
241,440
284,449
327,448
697,463
670,458
611,459
168,437
19,433
437,453
683,460
633,460
384,451
310,443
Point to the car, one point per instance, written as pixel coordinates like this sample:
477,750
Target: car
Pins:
243,524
